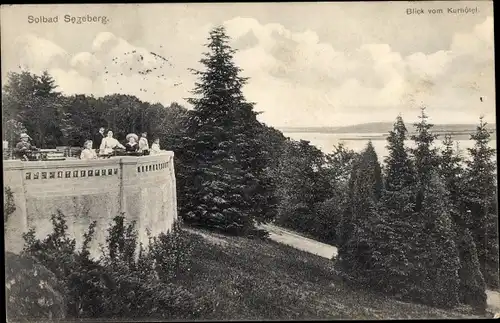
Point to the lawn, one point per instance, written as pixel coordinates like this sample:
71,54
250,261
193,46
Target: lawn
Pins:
263,279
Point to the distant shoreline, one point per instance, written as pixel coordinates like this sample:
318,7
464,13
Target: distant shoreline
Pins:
380,128
462,135
454,136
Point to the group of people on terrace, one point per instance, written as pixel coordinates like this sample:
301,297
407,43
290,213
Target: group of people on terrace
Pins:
101,146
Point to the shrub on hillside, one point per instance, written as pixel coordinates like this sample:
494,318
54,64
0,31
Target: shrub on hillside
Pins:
171,253
328,218
122,282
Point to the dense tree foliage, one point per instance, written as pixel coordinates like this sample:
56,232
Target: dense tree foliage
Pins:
364,189
421,252
424,155
225,184
480,190
472,284
399,168
393,226
301,185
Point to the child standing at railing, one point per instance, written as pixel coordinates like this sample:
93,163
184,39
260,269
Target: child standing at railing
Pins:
143,144
155,147
88,152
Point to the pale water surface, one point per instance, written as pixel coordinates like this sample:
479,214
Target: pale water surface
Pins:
326,141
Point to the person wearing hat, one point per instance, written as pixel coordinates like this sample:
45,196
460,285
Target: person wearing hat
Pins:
23,146
108,144
143,144
131,146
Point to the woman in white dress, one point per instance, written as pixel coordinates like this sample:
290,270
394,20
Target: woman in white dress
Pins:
108,144
88,152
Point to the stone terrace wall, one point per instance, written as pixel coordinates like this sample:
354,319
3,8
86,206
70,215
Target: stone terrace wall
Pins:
141,187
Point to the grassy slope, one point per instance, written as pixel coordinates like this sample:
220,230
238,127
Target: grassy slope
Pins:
255,279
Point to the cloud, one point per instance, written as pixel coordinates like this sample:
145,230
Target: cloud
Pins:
37,53
112,66
86,64
295,78
71,82
303,75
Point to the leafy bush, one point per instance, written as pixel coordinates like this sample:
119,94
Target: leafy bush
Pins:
127,280
171,253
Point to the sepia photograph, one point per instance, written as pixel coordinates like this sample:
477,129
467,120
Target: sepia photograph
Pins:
249,161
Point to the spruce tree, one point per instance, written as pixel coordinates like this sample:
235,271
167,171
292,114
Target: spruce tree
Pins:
399,174
372,159
393,226
451,170
355,248
481,197
440,255
472,285
424,154
365,185
224,183
437,250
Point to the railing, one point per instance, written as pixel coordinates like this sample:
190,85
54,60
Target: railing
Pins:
42,154
42,170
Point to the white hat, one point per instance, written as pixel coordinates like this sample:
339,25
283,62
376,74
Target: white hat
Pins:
132,135
24,135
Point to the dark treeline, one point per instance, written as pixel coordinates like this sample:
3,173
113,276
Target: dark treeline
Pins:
422,226
33,104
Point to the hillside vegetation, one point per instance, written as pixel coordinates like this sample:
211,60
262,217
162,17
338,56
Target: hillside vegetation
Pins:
262,279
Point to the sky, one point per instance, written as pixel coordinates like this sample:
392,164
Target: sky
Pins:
309,64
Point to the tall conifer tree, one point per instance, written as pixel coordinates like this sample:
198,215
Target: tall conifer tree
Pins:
425,155
472,285
224,183
394,229
355,248
451,170
481,200
399,172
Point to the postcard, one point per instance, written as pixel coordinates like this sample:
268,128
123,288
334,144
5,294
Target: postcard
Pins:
250,161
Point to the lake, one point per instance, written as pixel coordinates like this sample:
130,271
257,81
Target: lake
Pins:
358,141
